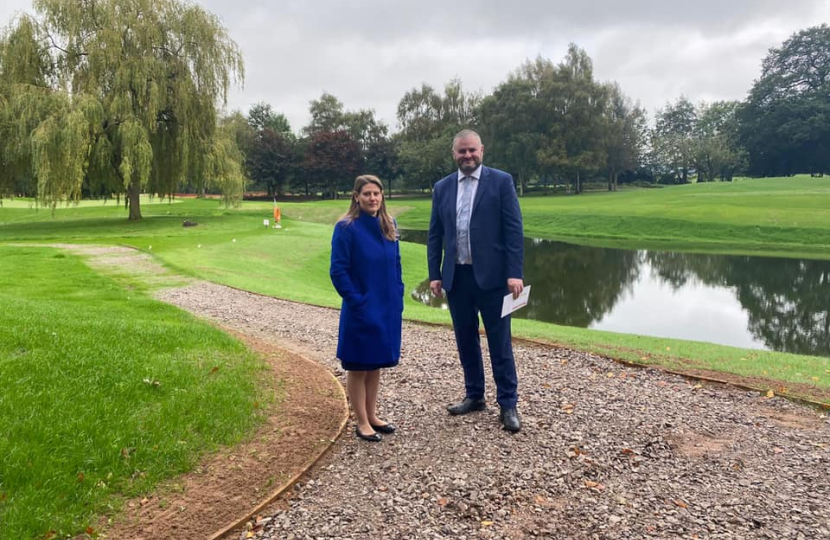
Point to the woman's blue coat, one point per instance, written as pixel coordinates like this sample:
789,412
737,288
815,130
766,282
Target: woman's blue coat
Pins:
366,271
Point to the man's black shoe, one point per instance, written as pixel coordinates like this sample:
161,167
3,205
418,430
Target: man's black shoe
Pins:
510,419
466,406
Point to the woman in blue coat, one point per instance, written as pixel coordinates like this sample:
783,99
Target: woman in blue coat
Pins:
366,271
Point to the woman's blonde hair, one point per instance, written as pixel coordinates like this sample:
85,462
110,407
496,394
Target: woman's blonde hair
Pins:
387,224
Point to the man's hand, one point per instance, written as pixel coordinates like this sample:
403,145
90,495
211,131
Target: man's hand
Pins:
515,286
435,287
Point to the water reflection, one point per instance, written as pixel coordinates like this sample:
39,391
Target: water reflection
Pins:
756,302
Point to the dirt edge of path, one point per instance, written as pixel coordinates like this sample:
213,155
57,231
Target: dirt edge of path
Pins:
229,487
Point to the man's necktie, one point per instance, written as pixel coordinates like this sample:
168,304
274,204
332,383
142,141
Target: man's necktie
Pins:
462,223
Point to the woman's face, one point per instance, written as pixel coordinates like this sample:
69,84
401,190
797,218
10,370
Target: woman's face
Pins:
369,198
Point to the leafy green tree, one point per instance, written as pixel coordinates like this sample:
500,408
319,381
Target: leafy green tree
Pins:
424,162
326,115
16,121
243,135
673,138
364,127
270,158
514,121
785,123
261,116
420,113
270,161
717,152
382,160
625,134
581,102
120,94
548,121
428,121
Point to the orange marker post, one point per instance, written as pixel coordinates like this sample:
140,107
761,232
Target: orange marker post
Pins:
277,216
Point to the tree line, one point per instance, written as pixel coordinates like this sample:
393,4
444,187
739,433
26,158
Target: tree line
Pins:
112,98
553,125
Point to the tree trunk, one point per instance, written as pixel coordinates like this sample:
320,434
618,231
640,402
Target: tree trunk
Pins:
610,181
578,189
134,195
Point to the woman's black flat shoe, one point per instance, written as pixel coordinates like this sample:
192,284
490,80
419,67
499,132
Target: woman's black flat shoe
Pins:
374,437
386,428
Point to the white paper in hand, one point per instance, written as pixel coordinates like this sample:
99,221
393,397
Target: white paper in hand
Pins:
509,305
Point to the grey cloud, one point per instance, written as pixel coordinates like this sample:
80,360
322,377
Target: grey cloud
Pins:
368,53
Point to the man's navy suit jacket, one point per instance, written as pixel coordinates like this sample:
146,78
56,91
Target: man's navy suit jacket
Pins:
496,238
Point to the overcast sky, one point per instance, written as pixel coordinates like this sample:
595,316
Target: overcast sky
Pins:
368,53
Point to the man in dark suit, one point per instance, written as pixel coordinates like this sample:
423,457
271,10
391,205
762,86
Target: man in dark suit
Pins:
476,224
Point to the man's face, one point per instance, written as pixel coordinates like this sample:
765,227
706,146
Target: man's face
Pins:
467,153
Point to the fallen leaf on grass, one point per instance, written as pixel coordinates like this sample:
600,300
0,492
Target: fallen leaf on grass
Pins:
144,501
80,477
680,503
770,393
89,530
596,486
486,523
568,408
627,451
442,502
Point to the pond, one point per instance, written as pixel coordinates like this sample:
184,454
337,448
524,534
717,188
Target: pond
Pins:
753,302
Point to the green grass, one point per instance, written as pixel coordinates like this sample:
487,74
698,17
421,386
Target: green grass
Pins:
104,392
774,217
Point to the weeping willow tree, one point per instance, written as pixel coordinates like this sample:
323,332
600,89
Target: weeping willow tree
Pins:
116,97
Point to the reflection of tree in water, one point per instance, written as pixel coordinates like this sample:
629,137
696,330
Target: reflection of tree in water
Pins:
787,300
572,285
424,295
575,285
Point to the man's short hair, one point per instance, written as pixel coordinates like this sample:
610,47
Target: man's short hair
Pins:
465,133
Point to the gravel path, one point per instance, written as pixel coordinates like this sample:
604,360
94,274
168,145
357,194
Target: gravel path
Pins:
606,451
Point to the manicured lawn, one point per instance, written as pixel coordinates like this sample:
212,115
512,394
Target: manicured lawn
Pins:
771,216
104,392
787,216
